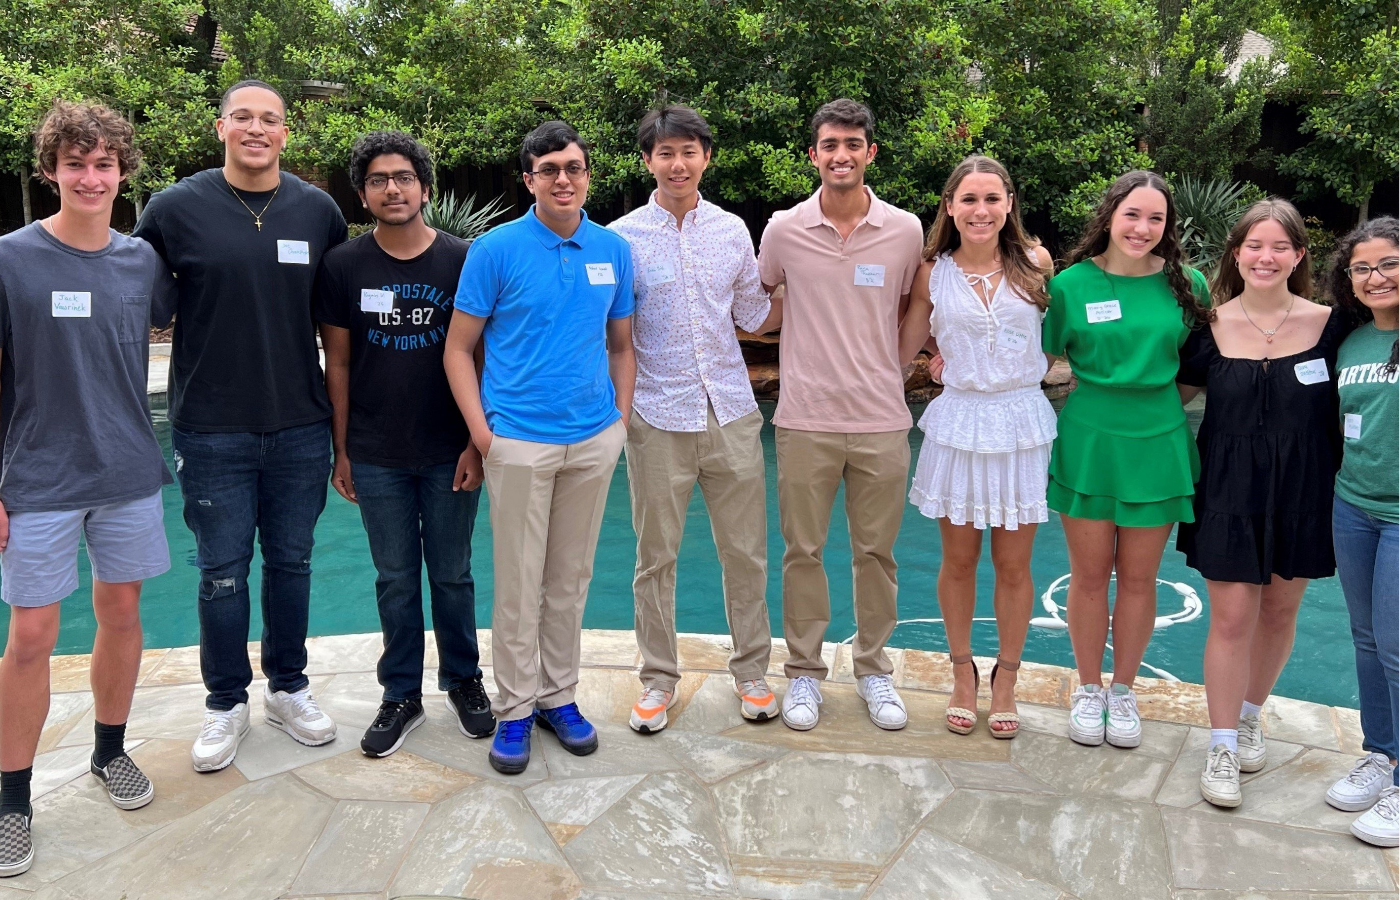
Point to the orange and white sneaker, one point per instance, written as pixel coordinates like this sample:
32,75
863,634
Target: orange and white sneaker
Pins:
756,701
649,712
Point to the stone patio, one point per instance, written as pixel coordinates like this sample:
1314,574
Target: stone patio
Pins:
712,807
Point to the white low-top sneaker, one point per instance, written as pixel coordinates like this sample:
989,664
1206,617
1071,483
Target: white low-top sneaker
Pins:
1124,727
1086,715
802,703
886,709
1380,825
1362,786
1253,753
299,715
218,740
1220,782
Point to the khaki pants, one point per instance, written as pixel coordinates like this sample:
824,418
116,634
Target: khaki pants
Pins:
546,507
875,468
662,470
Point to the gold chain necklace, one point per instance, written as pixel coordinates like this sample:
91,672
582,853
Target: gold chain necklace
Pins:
257,217
1269,333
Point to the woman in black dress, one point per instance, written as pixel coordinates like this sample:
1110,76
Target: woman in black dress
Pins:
1269,450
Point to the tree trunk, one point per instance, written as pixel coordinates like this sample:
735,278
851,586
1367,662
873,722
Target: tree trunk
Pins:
1364,211
24,194
139,201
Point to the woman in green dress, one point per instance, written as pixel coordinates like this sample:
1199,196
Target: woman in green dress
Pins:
1123,468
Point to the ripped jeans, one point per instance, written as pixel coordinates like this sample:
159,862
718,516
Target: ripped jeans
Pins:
236,483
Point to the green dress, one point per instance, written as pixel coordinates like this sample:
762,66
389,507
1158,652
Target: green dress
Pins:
1124,452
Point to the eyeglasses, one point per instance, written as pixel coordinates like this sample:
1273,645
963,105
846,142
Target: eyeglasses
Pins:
243,121
404,180
551,172
1388,268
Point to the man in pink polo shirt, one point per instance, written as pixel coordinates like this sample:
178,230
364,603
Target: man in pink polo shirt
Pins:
848,260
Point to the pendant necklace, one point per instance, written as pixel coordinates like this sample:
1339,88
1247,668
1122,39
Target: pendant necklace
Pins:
257,217
1269,333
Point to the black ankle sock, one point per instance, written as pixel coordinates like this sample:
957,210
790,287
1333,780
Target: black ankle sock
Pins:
110,743
14,791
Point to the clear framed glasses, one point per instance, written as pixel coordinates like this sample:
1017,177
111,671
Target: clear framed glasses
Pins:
1388,268
244,120
550,172
379,182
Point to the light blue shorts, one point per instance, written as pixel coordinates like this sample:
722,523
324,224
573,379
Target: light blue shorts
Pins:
125,542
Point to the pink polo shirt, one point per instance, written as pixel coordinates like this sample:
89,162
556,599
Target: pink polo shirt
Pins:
838,353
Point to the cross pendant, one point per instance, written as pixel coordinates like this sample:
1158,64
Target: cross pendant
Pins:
258,222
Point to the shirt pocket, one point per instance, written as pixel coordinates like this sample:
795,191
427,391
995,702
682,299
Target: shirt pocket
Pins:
134,327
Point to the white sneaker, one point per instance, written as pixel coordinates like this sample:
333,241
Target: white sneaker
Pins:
886,709
1380,825
801,704
649,712
218,740
1253,753
1124,724
1086,715
1363,785
1220,782
299,715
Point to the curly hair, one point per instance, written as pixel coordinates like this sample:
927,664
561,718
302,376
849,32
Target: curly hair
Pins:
1337,285
85,126
1229,283
382,143
1013,244
1094,241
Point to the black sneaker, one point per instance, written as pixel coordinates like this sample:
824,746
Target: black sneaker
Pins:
127,786
396,718
468,702
16,849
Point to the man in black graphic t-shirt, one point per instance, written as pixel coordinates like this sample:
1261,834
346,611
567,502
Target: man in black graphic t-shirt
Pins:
402,451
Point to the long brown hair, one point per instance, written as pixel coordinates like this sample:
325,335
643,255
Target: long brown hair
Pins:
1337,285
1228,283
1094,241
1013,244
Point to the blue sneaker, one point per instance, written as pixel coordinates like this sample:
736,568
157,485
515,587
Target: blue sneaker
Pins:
510,750
575,733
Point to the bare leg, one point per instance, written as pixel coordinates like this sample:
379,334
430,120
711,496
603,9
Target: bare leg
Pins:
1014,599
1138,558
1234,612
24,683
116,651
1091,548
957,599
1273,635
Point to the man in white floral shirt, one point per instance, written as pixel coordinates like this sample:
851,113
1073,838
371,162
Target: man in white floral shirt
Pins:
695,279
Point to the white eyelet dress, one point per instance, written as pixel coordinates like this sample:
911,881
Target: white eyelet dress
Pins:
987,437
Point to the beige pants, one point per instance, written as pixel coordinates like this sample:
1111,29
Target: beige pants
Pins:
662,470
546,507
875,469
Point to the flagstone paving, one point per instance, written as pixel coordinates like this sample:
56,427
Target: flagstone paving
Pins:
712,807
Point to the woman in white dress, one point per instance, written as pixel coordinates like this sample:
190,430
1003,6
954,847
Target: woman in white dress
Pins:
981,294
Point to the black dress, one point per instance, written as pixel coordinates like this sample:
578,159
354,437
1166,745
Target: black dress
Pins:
1270,448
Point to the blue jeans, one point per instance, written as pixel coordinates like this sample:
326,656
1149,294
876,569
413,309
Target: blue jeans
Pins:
236,483
413,516
1368,558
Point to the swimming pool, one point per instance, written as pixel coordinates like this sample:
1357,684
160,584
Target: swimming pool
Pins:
342,598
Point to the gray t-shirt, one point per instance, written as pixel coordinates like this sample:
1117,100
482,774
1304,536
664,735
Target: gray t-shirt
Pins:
73,404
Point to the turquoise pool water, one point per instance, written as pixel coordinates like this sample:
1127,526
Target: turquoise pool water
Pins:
342,599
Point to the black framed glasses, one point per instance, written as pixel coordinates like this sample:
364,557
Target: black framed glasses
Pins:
550,172
1388,268
379,182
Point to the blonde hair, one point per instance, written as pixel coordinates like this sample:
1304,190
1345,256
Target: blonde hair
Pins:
1228,283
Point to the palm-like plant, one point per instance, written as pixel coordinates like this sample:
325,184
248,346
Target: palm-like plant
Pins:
1207,208
460,216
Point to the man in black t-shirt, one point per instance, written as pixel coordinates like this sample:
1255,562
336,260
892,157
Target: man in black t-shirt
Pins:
402,451
248,409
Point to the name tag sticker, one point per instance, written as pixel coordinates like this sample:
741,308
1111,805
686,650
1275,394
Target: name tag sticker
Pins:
72,304
870,275
1013,338
1314,371
600,273
1351,426
376,301
1106,311
656,273
297,253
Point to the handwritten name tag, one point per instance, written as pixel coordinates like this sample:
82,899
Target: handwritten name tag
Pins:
1013,338
1106,311
72,304
658,273
600,273
297,253
376,301
1314,371
1351,426
869,275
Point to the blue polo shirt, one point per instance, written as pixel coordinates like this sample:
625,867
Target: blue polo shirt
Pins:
547,301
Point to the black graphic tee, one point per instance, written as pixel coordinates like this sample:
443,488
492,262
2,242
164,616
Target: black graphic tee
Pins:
401,408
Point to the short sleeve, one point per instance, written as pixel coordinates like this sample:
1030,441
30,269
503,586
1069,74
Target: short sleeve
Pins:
479,286
339,230
624,300
164,296
1200,287
1053,337
770,267
148,227
1196,355
328,298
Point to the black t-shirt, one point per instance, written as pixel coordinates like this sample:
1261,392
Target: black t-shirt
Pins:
244,356
401,407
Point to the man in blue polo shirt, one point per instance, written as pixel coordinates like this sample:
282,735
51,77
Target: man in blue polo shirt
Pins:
551,294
